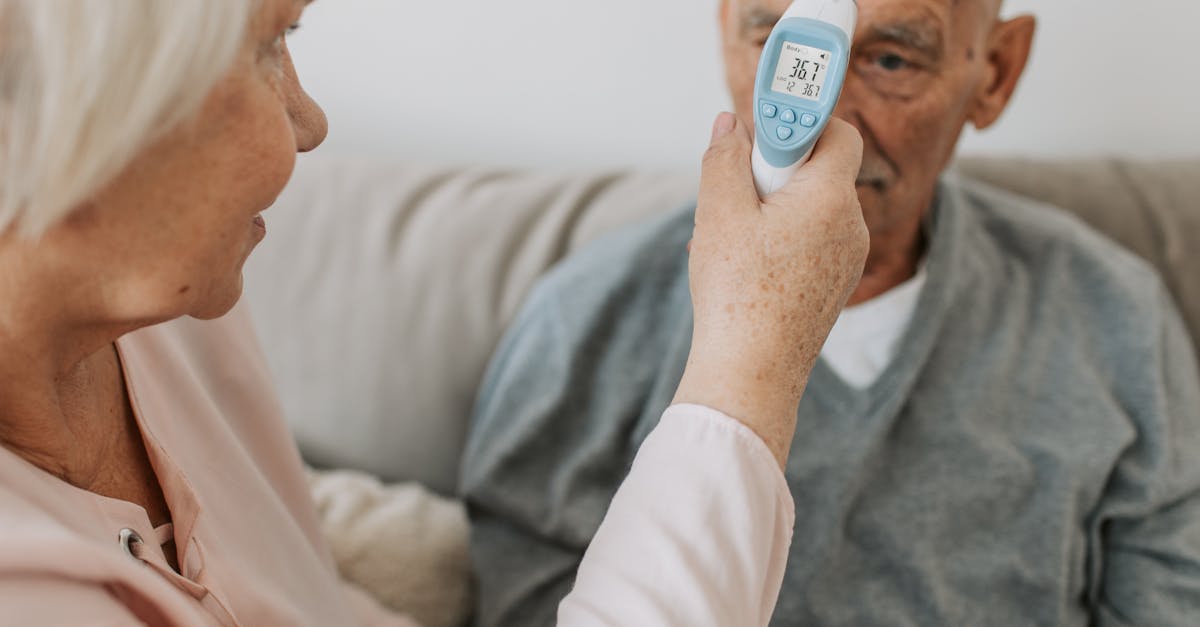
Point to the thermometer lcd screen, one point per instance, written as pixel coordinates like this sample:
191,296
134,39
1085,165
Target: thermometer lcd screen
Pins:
801,71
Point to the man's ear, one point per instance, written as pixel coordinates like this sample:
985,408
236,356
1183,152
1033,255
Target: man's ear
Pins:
1007,52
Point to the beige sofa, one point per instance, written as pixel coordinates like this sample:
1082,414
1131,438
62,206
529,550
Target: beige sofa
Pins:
383,288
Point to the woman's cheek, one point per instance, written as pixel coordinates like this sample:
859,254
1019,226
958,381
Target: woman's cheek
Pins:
272,158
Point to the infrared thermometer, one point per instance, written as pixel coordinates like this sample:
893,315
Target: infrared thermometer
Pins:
799,81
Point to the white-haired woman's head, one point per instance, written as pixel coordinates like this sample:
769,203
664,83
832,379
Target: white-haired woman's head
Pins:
85,84
144,137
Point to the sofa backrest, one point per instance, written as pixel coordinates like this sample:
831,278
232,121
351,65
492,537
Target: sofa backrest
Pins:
382,289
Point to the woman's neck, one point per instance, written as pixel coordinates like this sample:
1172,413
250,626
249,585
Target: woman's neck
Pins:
60,417
80,427
62,391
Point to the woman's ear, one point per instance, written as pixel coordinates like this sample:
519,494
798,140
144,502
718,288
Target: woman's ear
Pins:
1008,48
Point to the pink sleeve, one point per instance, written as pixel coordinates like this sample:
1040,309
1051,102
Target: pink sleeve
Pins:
698,534
52,601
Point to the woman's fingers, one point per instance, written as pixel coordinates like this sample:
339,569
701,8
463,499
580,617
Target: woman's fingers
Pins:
726,182
835,163
838,154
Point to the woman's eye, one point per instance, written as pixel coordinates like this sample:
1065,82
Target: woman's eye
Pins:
279,41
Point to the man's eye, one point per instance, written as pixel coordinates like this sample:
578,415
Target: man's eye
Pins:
892,62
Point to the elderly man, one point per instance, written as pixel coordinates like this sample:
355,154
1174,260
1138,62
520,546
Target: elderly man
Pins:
1004,428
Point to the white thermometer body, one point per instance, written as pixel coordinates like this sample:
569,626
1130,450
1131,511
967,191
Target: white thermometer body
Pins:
800,77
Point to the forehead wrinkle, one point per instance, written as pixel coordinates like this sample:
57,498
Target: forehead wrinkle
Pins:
926,32
920,34
920,25
982,12
989,6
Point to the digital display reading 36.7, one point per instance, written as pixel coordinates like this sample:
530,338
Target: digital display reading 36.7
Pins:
801,71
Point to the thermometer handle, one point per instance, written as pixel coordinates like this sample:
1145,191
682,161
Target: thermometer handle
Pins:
768,178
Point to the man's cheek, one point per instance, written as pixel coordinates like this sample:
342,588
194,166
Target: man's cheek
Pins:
940,115
920,135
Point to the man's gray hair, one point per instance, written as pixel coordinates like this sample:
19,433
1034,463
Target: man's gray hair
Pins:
87,84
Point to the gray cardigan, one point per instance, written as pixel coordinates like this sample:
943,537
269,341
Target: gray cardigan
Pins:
1031,456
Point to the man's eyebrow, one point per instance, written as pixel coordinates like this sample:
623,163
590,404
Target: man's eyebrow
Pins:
921,35
758,18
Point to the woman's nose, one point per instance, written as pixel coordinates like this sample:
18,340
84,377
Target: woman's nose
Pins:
308,119
310,123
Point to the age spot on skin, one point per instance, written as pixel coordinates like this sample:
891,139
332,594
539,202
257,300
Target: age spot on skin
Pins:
185,289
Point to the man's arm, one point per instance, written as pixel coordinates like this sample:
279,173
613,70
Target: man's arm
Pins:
555,428
522,575
580,379
1150,532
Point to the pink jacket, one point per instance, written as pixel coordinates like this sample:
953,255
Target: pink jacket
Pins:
697,535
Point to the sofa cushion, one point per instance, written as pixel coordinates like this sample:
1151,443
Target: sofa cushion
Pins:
383,288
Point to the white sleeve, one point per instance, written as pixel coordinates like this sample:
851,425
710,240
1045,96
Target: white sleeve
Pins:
698,534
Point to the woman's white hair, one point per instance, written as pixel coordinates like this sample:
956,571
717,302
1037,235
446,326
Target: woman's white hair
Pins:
87,84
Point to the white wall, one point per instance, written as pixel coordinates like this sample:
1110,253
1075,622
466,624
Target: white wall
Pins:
616,83
1069,103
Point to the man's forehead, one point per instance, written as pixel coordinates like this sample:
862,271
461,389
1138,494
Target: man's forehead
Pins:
921,24
762,13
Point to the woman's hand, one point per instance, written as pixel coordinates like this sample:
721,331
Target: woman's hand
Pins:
770,278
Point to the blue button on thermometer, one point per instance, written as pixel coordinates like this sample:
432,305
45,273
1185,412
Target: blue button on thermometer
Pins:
801,71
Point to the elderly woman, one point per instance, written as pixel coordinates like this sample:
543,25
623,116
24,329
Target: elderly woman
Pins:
146,476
